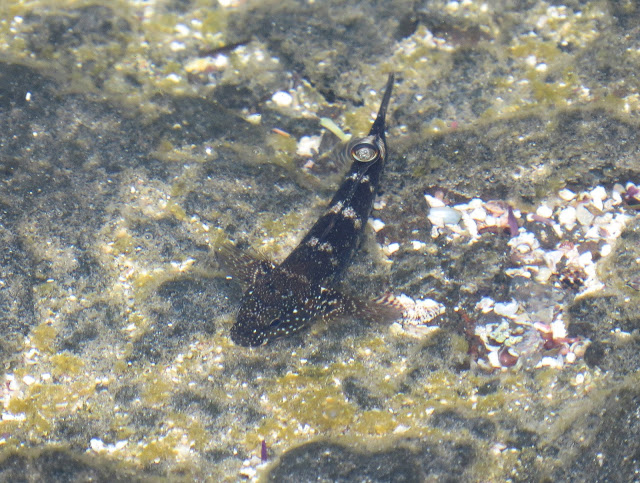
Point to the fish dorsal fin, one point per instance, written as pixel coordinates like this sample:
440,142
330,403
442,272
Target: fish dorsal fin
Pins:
245,267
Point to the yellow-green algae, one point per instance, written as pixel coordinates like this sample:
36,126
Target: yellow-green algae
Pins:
309,393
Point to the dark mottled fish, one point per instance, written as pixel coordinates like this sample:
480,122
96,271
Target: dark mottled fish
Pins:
283,299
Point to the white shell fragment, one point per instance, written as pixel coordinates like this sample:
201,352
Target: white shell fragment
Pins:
566,195
433,201
508,309
441,216
308,145
544,211
568,217
529,330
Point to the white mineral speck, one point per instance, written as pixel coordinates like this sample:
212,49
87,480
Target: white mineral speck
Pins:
433,201
282,99
470,225
553,362
176,46
494,360
248,472
583,215
566,195
97,445
254,119
585,259
605,250
558,329
485,305
567,217
417,244
379,204
478,214
506,309
598,193
543,275
376,224
28,380
308,145
182,29
391,248
444,215
220,61
544,211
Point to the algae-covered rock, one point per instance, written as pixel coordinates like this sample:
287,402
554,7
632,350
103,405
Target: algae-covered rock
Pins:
136,138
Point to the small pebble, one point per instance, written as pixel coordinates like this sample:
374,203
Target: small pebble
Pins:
28,380
567,217
544,211
391,248
444,216
433,201
584,216
376,224
566,195
506,309
282,99
598,193
308,145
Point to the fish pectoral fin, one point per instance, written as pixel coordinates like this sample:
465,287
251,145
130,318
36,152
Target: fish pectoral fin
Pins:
247,268
378,310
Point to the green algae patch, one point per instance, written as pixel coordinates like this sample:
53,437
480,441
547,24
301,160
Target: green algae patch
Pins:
314,401
156,389
157,450
124,244
283,225
375,423
552,93
67,364
176,210
359,120
146,283
42,403
43,337
284,150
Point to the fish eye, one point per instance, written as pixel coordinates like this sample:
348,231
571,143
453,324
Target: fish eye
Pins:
365,152
274,323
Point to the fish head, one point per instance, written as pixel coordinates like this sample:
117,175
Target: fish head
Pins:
370,150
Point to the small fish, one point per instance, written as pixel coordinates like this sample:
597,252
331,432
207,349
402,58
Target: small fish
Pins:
283,299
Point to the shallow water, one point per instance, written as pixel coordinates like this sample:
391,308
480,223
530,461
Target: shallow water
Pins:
138,137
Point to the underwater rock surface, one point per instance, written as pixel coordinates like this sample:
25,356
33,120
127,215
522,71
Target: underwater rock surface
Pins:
137,138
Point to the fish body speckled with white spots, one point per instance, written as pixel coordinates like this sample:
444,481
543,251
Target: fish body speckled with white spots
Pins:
283,299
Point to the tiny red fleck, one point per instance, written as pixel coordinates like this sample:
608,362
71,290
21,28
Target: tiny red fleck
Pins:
281,132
